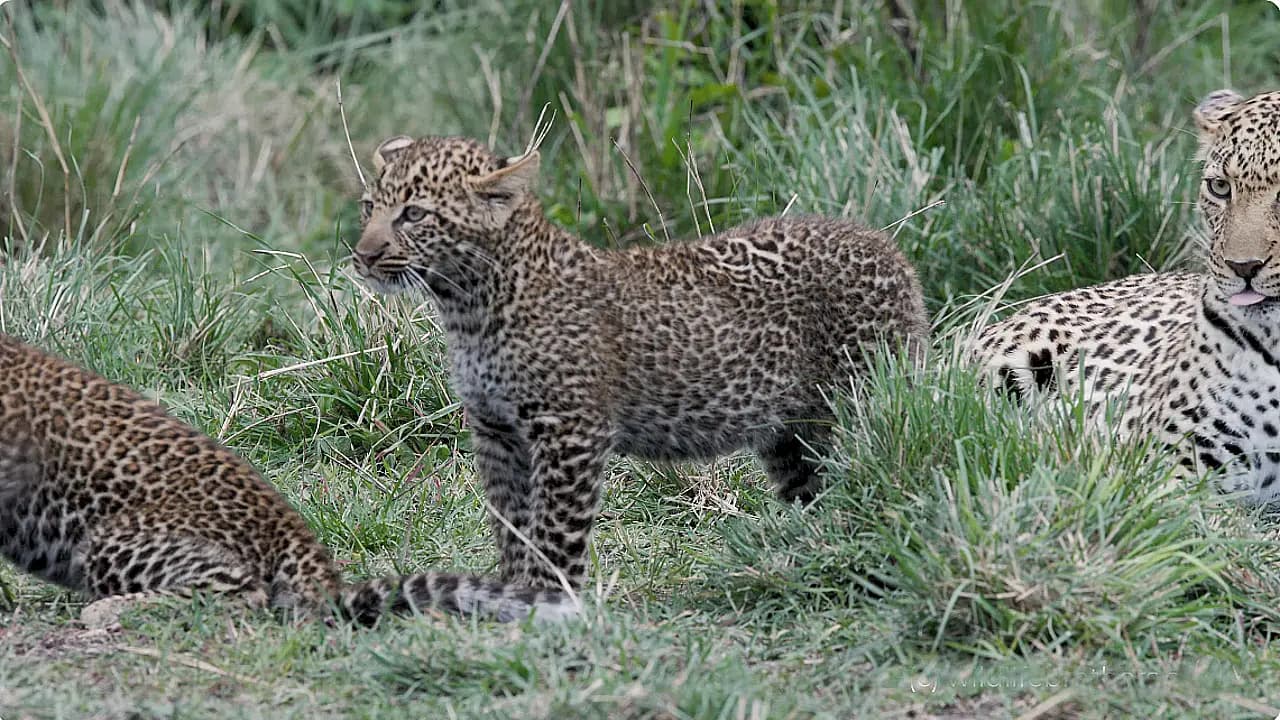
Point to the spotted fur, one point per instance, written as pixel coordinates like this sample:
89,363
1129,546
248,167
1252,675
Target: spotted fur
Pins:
1194,359
103,492
564,355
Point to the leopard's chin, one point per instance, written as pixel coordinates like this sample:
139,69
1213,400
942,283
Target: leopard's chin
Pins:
387,284
1246,299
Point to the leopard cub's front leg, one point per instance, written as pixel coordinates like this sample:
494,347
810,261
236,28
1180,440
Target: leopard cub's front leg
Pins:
568,451
502,462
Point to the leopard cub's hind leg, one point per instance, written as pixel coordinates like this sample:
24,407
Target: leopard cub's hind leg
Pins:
789,458
133,563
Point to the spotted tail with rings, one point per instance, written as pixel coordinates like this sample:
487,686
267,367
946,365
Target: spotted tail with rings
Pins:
457,594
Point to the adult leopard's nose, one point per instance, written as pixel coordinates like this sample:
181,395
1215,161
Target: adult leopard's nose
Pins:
1246,269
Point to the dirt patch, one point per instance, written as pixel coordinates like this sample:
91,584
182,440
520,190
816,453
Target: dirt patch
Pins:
58,643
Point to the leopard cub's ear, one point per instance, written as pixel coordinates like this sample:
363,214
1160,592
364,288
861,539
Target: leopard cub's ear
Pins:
388,150
1213,108
507,182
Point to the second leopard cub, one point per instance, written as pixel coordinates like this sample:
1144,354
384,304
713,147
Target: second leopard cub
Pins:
564,354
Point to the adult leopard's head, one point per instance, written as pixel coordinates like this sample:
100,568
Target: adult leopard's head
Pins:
433,213
1240,194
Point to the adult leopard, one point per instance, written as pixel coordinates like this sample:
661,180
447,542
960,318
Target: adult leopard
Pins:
1192,358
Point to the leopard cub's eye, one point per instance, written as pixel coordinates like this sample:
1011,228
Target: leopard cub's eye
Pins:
366,207
412,213
1218,187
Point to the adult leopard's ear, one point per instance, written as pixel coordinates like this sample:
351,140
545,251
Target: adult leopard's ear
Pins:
1211,110
507,182
388,150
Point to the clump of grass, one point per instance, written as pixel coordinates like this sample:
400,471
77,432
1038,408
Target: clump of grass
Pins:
371,368
842,151
178,328
997,531
122,143
1099,203
1086,193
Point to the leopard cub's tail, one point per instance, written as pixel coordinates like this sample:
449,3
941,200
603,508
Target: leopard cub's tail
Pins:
458,594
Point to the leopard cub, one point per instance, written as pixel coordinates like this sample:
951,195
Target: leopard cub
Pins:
103,492
564,354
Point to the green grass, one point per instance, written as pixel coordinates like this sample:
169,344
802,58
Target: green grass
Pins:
178,197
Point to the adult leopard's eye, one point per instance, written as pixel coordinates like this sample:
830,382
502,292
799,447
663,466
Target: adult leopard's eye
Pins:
412,213
1218,188
366,207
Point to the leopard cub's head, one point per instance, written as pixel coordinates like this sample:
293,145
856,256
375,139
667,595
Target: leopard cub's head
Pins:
435,211
1240,194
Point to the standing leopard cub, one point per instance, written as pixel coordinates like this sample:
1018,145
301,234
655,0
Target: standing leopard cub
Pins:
103,492
564,354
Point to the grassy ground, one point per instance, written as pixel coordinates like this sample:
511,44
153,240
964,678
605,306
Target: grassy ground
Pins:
178,196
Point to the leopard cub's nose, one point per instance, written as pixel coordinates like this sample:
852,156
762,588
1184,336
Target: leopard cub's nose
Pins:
370,255
1246,269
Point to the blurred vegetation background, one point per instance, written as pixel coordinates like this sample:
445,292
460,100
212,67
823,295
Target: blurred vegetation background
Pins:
1045,127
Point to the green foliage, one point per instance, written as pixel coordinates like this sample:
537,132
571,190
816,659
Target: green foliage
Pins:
1002,532
1100,205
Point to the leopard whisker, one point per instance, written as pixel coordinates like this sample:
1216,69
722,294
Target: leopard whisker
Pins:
419,274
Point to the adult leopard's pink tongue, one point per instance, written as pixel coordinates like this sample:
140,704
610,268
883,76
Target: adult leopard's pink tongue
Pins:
1246,297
